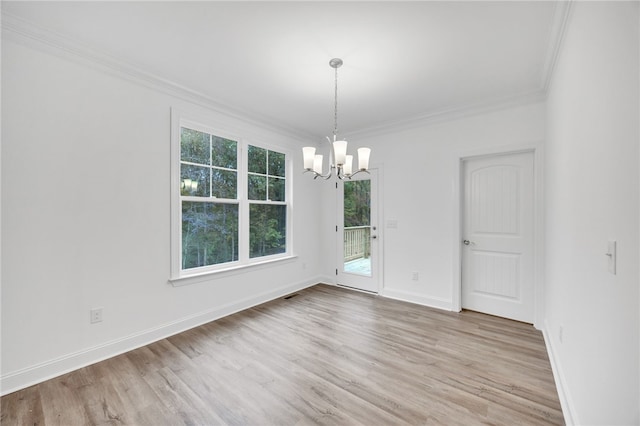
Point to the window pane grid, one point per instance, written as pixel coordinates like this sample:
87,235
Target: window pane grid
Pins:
266,175
202,151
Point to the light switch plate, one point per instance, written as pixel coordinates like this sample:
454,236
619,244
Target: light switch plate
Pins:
611,253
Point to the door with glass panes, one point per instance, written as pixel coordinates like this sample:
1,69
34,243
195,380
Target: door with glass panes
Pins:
358,233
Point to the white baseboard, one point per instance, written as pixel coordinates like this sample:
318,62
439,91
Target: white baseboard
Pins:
568,411
407,296
326,279
38,373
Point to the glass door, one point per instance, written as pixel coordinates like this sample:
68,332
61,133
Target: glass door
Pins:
358,232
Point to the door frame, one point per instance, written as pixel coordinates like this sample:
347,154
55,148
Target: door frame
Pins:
538,225
379,262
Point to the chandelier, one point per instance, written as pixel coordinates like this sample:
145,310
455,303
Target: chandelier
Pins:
338,158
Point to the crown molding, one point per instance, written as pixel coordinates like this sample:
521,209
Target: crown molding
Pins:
34,36
556,36
451,114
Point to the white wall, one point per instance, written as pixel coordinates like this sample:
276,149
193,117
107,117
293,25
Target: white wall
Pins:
592,187
85,214
420,188
85,219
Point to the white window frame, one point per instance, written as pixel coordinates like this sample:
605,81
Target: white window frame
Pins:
178,275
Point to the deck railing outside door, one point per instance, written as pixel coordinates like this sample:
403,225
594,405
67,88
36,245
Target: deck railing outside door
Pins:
357,242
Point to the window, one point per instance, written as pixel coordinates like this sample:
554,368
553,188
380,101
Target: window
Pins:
230,205
209,193
267,204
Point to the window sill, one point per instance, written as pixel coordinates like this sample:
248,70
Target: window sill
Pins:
227,272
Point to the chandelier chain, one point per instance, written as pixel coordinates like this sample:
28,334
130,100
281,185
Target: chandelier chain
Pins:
335,106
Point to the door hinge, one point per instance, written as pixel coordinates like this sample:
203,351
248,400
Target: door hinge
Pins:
336,228
336,271
336,185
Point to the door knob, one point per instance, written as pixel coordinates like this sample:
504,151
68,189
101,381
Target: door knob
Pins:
373,237
466,242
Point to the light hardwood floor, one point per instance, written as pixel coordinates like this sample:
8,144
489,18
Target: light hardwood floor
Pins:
325,356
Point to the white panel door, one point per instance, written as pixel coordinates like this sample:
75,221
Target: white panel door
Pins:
497,246
358,234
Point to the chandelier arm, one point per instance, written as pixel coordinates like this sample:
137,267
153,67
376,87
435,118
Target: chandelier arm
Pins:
359,171
328,175
317,175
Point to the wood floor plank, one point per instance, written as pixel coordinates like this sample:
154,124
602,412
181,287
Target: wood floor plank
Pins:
20,407
326,356
57,396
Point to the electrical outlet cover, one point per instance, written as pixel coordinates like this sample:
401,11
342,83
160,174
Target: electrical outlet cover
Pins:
95,315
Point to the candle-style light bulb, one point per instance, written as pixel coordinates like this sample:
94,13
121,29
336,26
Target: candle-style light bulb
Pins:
363,158
308,155
348,165
340,152
317,164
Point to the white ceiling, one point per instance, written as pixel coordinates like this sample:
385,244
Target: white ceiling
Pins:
402,60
